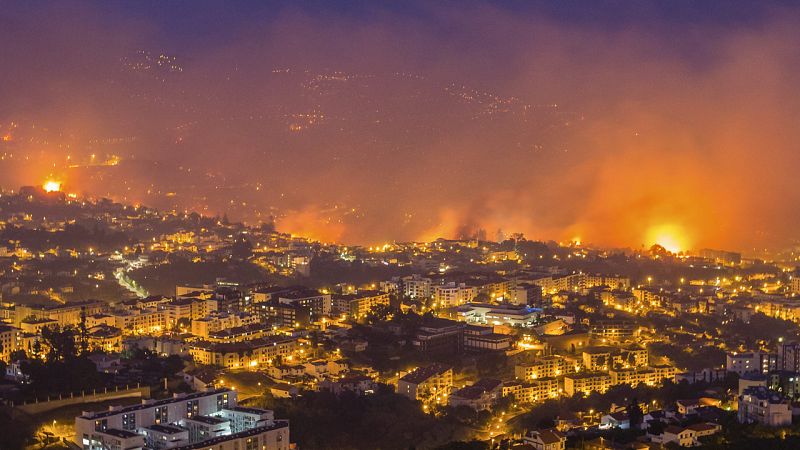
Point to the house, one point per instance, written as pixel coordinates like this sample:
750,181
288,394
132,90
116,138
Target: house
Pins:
681,436
283,371
705,429
546,440
106,363
686,407
619,419
201,379
686,436
480,396
283,390
358,384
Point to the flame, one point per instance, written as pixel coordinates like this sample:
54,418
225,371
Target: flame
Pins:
51,186
671,237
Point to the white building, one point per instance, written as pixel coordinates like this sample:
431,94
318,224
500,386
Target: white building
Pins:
747,363
209,419
761,405
546,440
416,286
503,314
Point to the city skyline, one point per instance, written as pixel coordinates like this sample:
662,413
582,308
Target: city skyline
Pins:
399,225
365,123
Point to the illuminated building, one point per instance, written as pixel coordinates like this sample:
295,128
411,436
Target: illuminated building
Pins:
203,420
614,331
546,440
68,314
541,367
597,359
242,333
614,282
189,308
502,314
747,363
416,286
360,304
203,326
105,338
452,294
480,338
10,341
247,354
531,391
635,376
430,385
480,396
586,383
760,405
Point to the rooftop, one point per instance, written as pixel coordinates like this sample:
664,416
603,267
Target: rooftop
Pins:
423,373
248,433
149,404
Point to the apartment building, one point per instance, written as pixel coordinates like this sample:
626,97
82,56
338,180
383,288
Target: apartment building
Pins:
532,391
360,304
586,383
208,420
758,404
430,385
247,354
541,367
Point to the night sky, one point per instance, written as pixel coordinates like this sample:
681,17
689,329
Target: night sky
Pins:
619,123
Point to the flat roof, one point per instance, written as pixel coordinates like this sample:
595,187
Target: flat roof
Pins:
141,406
209,420
166,429
251,432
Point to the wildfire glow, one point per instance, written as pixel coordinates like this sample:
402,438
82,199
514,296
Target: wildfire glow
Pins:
51,186
671,237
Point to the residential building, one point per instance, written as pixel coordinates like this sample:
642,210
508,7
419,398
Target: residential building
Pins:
758,404
247,354
10,341
430,385
358,305
532,391
203,420
541,367
747,363
546,440
586,383
480,396
416,286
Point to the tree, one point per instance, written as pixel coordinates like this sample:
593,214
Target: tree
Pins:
635,414
60,343
83,333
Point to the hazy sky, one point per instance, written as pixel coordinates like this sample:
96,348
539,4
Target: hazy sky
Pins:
622,123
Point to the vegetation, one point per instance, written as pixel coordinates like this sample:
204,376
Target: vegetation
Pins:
381,421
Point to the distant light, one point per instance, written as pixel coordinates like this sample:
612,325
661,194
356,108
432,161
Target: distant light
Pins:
51,186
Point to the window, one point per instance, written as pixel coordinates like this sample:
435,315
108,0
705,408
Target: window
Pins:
162,415
129,421
192,408
100,425
222,401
